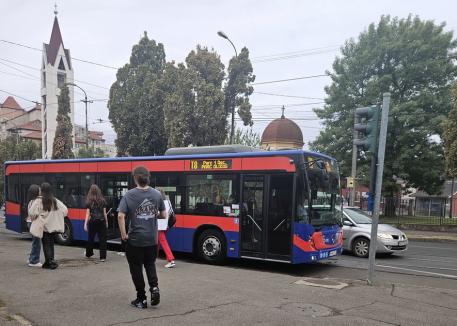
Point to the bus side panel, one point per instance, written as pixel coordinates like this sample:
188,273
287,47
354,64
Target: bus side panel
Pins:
77,217
181,236
13,217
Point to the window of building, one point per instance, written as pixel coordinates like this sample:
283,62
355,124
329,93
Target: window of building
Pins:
61,80
43,80
211,194
61,64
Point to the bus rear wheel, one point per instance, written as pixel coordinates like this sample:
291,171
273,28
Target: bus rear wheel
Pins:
65,238
212,247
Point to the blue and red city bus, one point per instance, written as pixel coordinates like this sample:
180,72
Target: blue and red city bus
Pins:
239,203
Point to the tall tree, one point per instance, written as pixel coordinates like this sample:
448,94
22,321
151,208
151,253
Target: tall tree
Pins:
15,148
62,147
194,101
450,137
238,88
414,61
134,109
247,137
90,152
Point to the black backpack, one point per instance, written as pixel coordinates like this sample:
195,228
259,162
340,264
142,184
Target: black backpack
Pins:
171,217
96,213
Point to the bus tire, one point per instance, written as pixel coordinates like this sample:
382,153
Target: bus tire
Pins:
65,238
211,246
361,247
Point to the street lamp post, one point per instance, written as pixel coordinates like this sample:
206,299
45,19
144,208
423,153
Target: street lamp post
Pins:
85,102
232,129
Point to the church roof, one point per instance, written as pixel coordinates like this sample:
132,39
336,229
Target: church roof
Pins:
52,49
282,130
10,103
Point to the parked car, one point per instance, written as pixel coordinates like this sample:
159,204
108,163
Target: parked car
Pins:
357,234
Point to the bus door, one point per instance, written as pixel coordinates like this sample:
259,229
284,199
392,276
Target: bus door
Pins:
26,181
279,222
113,187
252,220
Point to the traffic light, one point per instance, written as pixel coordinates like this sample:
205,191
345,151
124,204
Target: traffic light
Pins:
368,128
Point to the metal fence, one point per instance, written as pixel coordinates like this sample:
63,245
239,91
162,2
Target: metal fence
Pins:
420,210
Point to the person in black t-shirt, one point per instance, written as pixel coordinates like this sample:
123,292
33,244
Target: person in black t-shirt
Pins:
96,222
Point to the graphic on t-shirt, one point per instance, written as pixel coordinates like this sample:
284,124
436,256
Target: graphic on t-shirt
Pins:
146,210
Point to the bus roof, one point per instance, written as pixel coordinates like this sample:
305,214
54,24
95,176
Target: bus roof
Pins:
178,157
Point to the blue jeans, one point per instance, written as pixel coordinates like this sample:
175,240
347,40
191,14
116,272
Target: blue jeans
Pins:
35,252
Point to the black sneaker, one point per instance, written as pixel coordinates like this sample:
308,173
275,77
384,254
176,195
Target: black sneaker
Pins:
155,296
49,265
140,303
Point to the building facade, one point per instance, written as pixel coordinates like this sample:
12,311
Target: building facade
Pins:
56,71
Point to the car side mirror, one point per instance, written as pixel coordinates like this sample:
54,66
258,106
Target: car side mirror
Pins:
347,223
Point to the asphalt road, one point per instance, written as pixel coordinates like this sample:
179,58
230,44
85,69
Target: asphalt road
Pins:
429,259
243,292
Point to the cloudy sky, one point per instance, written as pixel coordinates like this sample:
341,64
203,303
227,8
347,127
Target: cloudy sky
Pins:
287,39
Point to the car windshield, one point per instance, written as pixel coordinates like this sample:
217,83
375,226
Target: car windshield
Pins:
358,216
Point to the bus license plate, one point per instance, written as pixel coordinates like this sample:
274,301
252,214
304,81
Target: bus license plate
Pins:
401,243
332,253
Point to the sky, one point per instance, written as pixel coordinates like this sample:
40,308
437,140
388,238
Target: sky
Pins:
286,39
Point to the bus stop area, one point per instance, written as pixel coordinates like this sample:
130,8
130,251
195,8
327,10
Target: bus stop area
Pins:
86,292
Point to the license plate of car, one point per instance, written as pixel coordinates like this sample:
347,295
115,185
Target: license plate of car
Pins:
332,253
401,243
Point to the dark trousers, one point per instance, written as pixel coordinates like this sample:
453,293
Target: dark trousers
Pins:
96,227
138,257
48,246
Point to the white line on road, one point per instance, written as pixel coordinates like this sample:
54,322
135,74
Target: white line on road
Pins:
418,271
427,247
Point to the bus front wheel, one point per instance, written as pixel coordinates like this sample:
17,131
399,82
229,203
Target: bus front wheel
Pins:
66,237
212,247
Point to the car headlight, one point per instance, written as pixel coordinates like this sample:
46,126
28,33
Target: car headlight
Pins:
385,236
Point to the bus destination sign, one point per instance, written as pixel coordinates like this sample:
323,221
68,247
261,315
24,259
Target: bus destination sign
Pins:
210,165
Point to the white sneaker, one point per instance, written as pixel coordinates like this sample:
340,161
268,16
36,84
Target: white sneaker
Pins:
171,264
120,253
35,265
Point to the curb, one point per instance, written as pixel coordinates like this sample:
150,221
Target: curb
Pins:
432,239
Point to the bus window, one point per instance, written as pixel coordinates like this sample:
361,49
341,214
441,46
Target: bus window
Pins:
211,194
66,188
174,187
13,188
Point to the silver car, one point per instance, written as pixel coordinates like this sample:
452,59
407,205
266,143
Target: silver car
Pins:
357,234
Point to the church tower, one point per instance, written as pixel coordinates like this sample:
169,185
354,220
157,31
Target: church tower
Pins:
56,70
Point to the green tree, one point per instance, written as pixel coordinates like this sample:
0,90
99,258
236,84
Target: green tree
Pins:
247,137
135,110
413,60
90,152
238,88
15,148
450,137
62,147
194,101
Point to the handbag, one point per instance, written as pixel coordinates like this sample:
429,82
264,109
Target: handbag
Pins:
37,227
171,217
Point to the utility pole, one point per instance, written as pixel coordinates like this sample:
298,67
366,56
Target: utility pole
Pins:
85,101
232,129
452,198
379,172
354,164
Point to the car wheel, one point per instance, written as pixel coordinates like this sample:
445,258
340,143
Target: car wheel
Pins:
212,247
65,238
361,247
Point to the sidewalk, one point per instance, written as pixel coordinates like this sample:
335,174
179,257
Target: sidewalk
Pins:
86,292
431,236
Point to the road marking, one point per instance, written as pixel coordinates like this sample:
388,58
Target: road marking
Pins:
433,260
427,247
419,271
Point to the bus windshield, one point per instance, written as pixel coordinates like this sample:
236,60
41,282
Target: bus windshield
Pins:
323,182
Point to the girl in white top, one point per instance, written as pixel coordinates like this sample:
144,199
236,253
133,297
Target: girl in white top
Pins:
162,227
